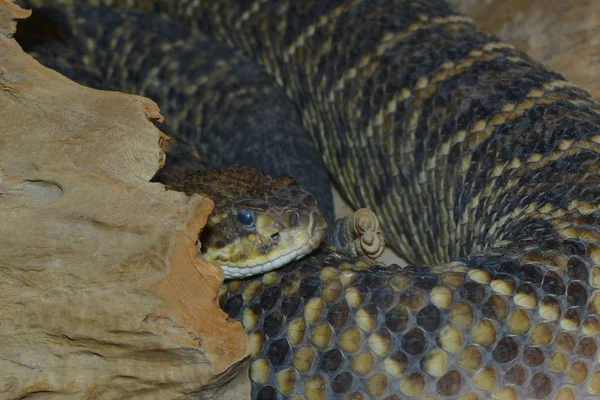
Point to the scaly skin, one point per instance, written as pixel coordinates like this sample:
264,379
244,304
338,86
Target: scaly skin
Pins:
212,77
479,162
285,223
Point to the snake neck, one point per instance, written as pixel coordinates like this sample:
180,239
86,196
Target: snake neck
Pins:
470,148
262,127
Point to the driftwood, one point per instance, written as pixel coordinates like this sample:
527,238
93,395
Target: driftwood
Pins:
101,291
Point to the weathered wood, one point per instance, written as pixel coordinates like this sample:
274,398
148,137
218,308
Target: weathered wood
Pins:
101,291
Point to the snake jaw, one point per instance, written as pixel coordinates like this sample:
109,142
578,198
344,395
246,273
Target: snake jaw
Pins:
281,233
291,244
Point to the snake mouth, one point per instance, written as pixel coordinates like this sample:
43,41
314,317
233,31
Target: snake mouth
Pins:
258,254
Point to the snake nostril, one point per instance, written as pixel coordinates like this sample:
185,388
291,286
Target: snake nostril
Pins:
291,218
275,236
294,219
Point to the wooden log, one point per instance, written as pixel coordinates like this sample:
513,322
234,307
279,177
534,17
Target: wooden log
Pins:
102,294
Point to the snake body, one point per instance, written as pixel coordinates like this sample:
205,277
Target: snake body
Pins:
484,168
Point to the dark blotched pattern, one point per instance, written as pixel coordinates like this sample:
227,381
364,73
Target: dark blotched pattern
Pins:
478,161
262,128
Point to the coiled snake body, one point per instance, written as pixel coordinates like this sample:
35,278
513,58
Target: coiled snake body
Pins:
481,164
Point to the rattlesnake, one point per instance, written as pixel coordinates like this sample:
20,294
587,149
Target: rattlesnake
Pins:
481,164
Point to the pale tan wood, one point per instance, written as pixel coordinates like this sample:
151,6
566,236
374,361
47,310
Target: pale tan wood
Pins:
102,294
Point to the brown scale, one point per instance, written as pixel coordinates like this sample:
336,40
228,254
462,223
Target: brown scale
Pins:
587,348
479,163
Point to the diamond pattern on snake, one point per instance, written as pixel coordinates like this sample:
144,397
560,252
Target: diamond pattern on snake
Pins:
481,165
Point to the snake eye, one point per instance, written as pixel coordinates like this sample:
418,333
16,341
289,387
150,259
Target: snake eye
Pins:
246,218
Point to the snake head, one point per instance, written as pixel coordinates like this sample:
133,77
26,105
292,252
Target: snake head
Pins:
259,223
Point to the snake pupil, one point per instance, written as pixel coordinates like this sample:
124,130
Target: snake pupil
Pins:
246,217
